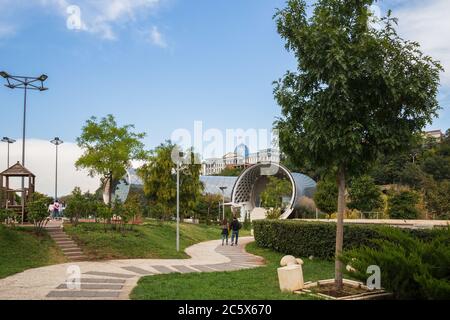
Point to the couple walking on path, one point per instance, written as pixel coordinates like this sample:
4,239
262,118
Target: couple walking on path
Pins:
234,227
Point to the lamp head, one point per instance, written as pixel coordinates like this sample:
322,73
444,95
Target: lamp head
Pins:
43,77
4,74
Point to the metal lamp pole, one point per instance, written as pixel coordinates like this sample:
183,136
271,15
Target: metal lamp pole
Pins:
181,155
25,83
8,141
223,202
57,141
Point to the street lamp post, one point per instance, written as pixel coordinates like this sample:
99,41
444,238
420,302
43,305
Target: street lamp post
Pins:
181,155
8,141
223,202
25,83
57,141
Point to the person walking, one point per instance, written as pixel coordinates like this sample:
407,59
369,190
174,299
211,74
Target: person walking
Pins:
50,210
225,231
235,226
56,207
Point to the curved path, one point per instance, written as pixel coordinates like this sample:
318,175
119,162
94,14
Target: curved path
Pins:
115,279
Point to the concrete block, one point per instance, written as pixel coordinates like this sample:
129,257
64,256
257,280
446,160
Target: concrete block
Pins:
290,278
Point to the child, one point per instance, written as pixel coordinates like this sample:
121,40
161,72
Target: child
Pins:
224,227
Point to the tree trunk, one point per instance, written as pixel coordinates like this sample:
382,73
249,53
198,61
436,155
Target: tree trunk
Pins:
340,228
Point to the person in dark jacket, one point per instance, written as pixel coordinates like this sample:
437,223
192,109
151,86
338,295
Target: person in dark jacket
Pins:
235,225
225,231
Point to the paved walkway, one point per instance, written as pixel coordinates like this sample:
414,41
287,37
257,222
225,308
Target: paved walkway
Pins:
116,278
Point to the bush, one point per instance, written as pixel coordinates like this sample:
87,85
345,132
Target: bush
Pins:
365,195
9,217
38,213
326,196
410,268
273,213
402,205
318,239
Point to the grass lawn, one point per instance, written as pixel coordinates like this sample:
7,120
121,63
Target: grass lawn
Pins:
21,249
153,240
254,284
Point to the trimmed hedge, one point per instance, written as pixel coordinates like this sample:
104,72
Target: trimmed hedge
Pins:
318,239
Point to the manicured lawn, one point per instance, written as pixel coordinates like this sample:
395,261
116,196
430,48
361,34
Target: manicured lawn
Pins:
21,249
152,240
254,284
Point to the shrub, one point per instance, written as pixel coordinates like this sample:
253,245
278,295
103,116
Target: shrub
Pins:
410,268
318,239
273,213
9,217
402,205
365,196
38,213
326,196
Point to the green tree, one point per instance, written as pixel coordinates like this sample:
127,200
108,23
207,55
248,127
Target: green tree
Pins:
159,177
109,149
437,199
358,90
364,194
191,187
402,205
437,166
275,190
325,196
207,204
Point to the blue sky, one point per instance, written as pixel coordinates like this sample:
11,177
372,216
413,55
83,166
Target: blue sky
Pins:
210,60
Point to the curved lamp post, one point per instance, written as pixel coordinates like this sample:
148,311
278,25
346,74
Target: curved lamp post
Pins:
8,141
57,141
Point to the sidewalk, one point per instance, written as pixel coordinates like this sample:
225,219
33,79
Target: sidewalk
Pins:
115,279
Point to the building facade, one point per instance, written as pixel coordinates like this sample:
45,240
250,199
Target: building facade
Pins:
238,159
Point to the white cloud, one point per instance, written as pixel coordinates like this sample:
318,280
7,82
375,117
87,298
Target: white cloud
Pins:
40,159
427,22
157,38
99,17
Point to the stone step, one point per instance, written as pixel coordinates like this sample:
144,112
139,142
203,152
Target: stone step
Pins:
72,251
83,294
74,254
62,242
69,248
78,258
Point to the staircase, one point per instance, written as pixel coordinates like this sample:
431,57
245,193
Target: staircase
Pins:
65,243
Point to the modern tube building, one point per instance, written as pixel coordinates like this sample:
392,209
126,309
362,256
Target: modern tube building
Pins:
244,191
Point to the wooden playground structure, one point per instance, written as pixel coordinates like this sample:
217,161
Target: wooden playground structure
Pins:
8,195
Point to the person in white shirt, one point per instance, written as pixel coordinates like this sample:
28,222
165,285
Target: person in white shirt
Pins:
50,210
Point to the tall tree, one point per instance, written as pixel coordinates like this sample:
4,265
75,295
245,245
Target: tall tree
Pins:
358,90
109,149
159,177
191,187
